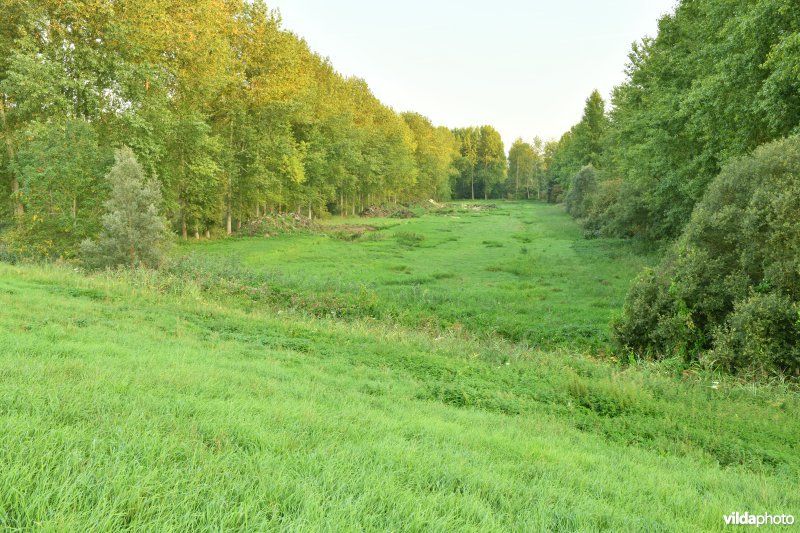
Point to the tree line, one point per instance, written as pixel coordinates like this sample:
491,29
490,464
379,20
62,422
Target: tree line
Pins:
718,80
230,114
699,148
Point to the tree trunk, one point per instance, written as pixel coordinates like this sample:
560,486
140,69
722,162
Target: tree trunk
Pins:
472,173
184,230
19,209
208,233
229,218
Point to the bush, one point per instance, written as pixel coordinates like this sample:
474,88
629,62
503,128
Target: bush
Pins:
583,188
597,219
134,233
761,333
731,283
278,224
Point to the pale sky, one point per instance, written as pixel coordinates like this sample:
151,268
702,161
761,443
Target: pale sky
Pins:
525,67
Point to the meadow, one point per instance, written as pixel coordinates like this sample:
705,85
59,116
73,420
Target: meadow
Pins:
517,270
441,373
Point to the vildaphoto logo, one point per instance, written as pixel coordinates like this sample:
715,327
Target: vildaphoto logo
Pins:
747,519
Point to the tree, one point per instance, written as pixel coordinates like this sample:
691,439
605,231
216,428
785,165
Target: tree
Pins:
718,80
578,200
434,154
581,146
234,115
193,175
538,173
467,139
482,164
521,166
589,132
59,168
492,164
134,232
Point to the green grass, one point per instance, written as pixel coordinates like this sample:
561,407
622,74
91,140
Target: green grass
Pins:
522,272
181,402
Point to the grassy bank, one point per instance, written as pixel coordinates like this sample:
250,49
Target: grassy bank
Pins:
128,402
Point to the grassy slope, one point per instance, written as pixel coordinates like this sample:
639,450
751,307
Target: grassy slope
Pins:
133,407
522,271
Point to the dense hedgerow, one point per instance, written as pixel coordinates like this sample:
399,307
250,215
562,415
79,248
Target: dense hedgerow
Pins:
729,290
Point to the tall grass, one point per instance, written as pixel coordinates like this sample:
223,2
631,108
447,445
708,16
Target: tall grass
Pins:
166,401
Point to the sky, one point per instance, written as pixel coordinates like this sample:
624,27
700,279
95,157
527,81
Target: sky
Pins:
525,67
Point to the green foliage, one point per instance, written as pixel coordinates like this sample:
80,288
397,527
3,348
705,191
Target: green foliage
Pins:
492,164
607,397
435,151
579,147
482,165
194,175
732,282
588,134
580,197
525,170
134,232
59,169
233,114
602,204
718,80
760,334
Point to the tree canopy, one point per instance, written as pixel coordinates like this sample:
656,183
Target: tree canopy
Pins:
719,79
481,164
229,113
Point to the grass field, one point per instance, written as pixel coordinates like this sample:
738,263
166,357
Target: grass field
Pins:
182,402
521,271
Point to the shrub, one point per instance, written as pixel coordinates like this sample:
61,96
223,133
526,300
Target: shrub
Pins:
582,190
760,334
597,219
278,224
731,283
134,233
